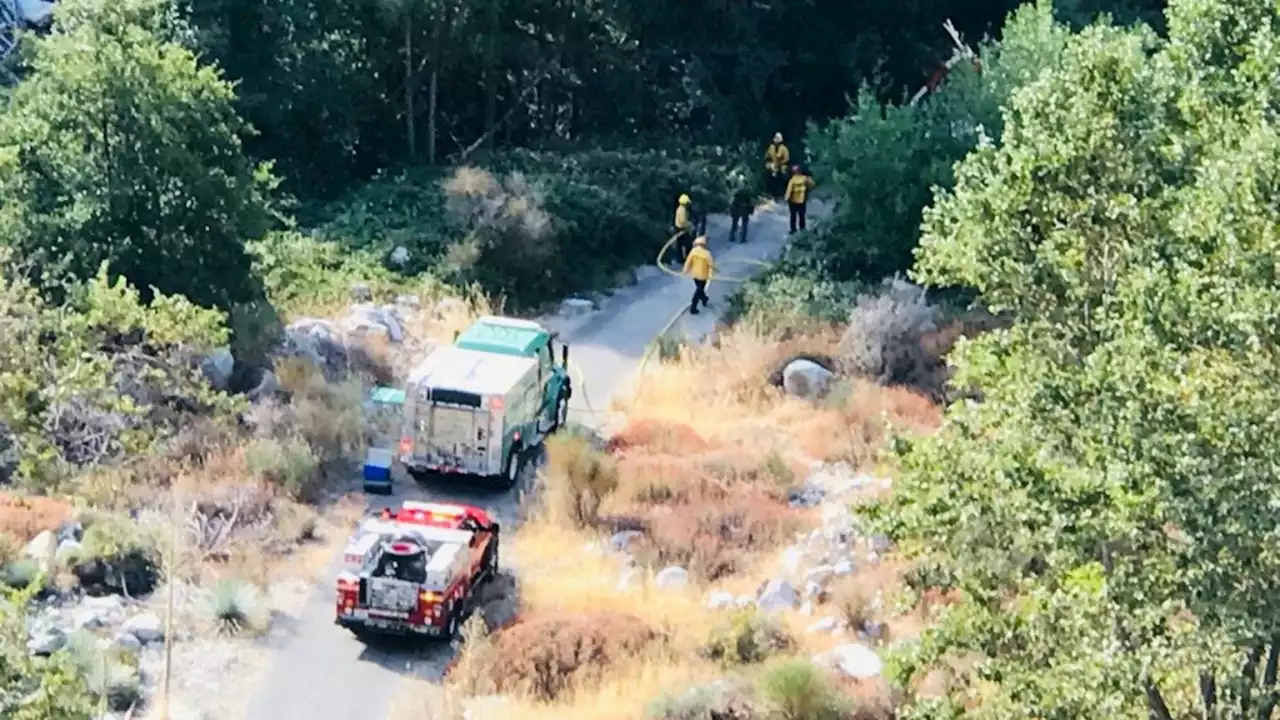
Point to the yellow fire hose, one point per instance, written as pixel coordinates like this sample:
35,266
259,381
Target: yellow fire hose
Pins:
580,381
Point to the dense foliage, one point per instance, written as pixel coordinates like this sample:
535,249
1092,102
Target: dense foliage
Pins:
1108,512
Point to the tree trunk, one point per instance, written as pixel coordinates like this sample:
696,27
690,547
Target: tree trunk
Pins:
431,114
491,74
409,89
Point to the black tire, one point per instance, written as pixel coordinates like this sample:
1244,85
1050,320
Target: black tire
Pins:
452,623
511,469
489,568
562,411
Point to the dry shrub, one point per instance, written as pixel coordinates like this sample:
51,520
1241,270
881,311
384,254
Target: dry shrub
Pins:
543,655
746,637
853,424
576,481
717,534
883,340
329,416
658,436
854,599
24,517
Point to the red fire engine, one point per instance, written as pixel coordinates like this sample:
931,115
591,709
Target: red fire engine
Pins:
416,571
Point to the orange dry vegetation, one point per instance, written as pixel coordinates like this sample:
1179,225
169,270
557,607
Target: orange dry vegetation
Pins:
543,655
25,517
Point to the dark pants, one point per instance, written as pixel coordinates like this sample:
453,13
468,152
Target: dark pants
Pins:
684,243
797,215
699,293
733,228
776,182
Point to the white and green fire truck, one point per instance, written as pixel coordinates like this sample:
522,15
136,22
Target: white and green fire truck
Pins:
477,407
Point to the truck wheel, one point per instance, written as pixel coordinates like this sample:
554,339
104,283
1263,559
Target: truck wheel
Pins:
452,623
562,411
511,471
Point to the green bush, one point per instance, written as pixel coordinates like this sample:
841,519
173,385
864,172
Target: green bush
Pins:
36,688
20,574
116,557
289,463
796,689
719,701
532,226
110,675
746,637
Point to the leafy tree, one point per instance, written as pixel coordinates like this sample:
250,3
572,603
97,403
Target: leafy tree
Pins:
1109,511
120,147
33,688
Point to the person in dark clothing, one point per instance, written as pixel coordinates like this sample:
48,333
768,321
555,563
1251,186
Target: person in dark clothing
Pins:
740,212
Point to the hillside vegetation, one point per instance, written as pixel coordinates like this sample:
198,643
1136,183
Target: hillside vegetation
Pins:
1037,479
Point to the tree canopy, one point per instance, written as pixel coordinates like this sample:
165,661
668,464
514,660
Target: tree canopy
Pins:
1109,510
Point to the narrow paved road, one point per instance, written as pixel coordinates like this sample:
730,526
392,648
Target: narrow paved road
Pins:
321,672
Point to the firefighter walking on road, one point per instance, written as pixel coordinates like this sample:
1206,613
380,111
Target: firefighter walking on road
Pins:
699,266
798,188
740,209
776,158
684,227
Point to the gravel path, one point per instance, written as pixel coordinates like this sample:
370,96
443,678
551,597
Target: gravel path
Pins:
318,671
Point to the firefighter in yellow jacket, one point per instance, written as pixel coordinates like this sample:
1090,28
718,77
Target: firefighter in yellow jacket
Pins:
699,266
776,159
798,188
684,227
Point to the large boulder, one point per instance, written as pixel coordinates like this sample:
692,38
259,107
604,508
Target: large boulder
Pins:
218,368
369,319
807,379
856,661
43,548
319,341
778,595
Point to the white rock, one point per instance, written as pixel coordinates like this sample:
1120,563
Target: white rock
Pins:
147,627
815,539
825,625
672,578
67,548
410,302
880,543
218,368
856,660
46,640
873,558
806,379
127,642
365,318
720,599
89,618
812,590
744,601
43,548
819,575
400,255
621,542
843,567
806,608
571,307
105,603
777,595
792,559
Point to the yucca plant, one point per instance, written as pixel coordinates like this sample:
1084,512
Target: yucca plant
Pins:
109,675
235,607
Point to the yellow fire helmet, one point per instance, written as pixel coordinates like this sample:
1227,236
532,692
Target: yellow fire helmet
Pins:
684,200
777,137
700,240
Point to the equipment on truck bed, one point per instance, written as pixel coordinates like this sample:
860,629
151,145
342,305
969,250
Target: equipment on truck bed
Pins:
416,571
477,406
383,413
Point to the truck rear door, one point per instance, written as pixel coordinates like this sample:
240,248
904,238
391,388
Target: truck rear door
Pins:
453,432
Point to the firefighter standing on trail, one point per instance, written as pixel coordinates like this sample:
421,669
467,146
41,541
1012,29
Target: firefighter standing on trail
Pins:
740,212
798,188
684,227
699,265
776,158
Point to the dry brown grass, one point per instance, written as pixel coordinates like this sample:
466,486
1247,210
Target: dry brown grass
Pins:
24,517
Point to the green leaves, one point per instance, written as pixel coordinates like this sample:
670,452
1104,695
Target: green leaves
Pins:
1109,511
120,147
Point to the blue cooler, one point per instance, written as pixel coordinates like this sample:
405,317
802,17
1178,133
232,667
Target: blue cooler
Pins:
377,470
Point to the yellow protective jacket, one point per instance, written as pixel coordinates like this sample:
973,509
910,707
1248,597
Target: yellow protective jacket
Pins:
776,157
699,263
798,188
683,222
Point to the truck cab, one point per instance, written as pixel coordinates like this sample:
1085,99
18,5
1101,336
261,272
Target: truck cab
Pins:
476,407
